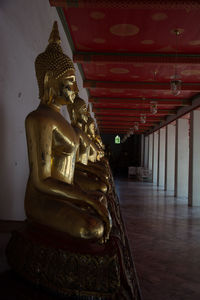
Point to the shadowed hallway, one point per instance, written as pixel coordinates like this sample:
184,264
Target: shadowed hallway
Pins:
164,236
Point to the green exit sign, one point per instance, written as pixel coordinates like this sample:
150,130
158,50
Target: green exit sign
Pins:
117,139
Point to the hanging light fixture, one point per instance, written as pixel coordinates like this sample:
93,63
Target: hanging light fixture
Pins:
175,83
153,107
136,126
131,131
143,115
143,118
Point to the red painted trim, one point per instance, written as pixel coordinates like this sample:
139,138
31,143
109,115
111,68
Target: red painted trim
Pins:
58,3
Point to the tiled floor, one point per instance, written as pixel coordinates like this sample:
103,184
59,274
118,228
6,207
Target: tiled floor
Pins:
164,235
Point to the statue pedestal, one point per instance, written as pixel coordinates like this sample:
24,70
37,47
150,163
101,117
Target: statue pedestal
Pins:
75,268
64,265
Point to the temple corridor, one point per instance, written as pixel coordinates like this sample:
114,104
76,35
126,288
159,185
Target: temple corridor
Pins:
164,237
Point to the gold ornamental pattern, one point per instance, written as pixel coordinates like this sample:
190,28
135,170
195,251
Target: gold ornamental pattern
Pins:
63,272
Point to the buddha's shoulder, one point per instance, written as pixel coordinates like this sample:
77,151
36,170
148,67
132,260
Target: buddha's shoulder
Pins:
39,115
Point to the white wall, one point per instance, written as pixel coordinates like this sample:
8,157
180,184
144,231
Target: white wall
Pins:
24,29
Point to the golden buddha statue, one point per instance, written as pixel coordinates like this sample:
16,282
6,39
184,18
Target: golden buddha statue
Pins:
89,177
57,248
96,153
52,197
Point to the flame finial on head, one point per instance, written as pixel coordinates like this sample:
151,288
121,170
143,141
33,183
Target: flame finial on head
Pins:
54,36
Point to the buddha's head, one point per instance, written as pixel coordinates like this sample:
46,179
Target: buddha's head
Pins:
78,111
100,154
91,127
55,73
99,140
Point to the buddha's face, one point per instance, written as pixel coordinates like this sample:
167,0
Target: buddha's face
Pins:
92,129
69,86
83,114
100,154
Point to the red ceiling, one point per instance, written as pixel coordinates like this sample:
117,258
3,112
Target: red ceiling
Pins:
128,51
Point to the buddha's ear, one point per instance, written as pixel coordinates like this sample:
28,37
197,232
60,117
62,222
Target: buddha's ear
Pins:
48,87
88,110
48,78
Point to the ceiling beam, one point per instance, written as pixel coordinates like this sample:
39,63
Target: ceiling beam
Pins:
139,101
129,112
125,128
144,58
153,118
126,114
117,122
120,129
121,125
108,131
164,86
136,106
147,124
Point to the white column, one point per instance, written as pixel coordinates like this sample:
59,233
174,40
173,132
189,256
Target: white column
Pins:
155,156
161,157
182,158
146,151
150,162
170,157
194,159
142,151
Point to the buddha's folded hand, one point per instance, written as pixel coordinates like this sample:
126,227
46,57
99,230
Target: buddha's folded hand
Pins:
103,211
